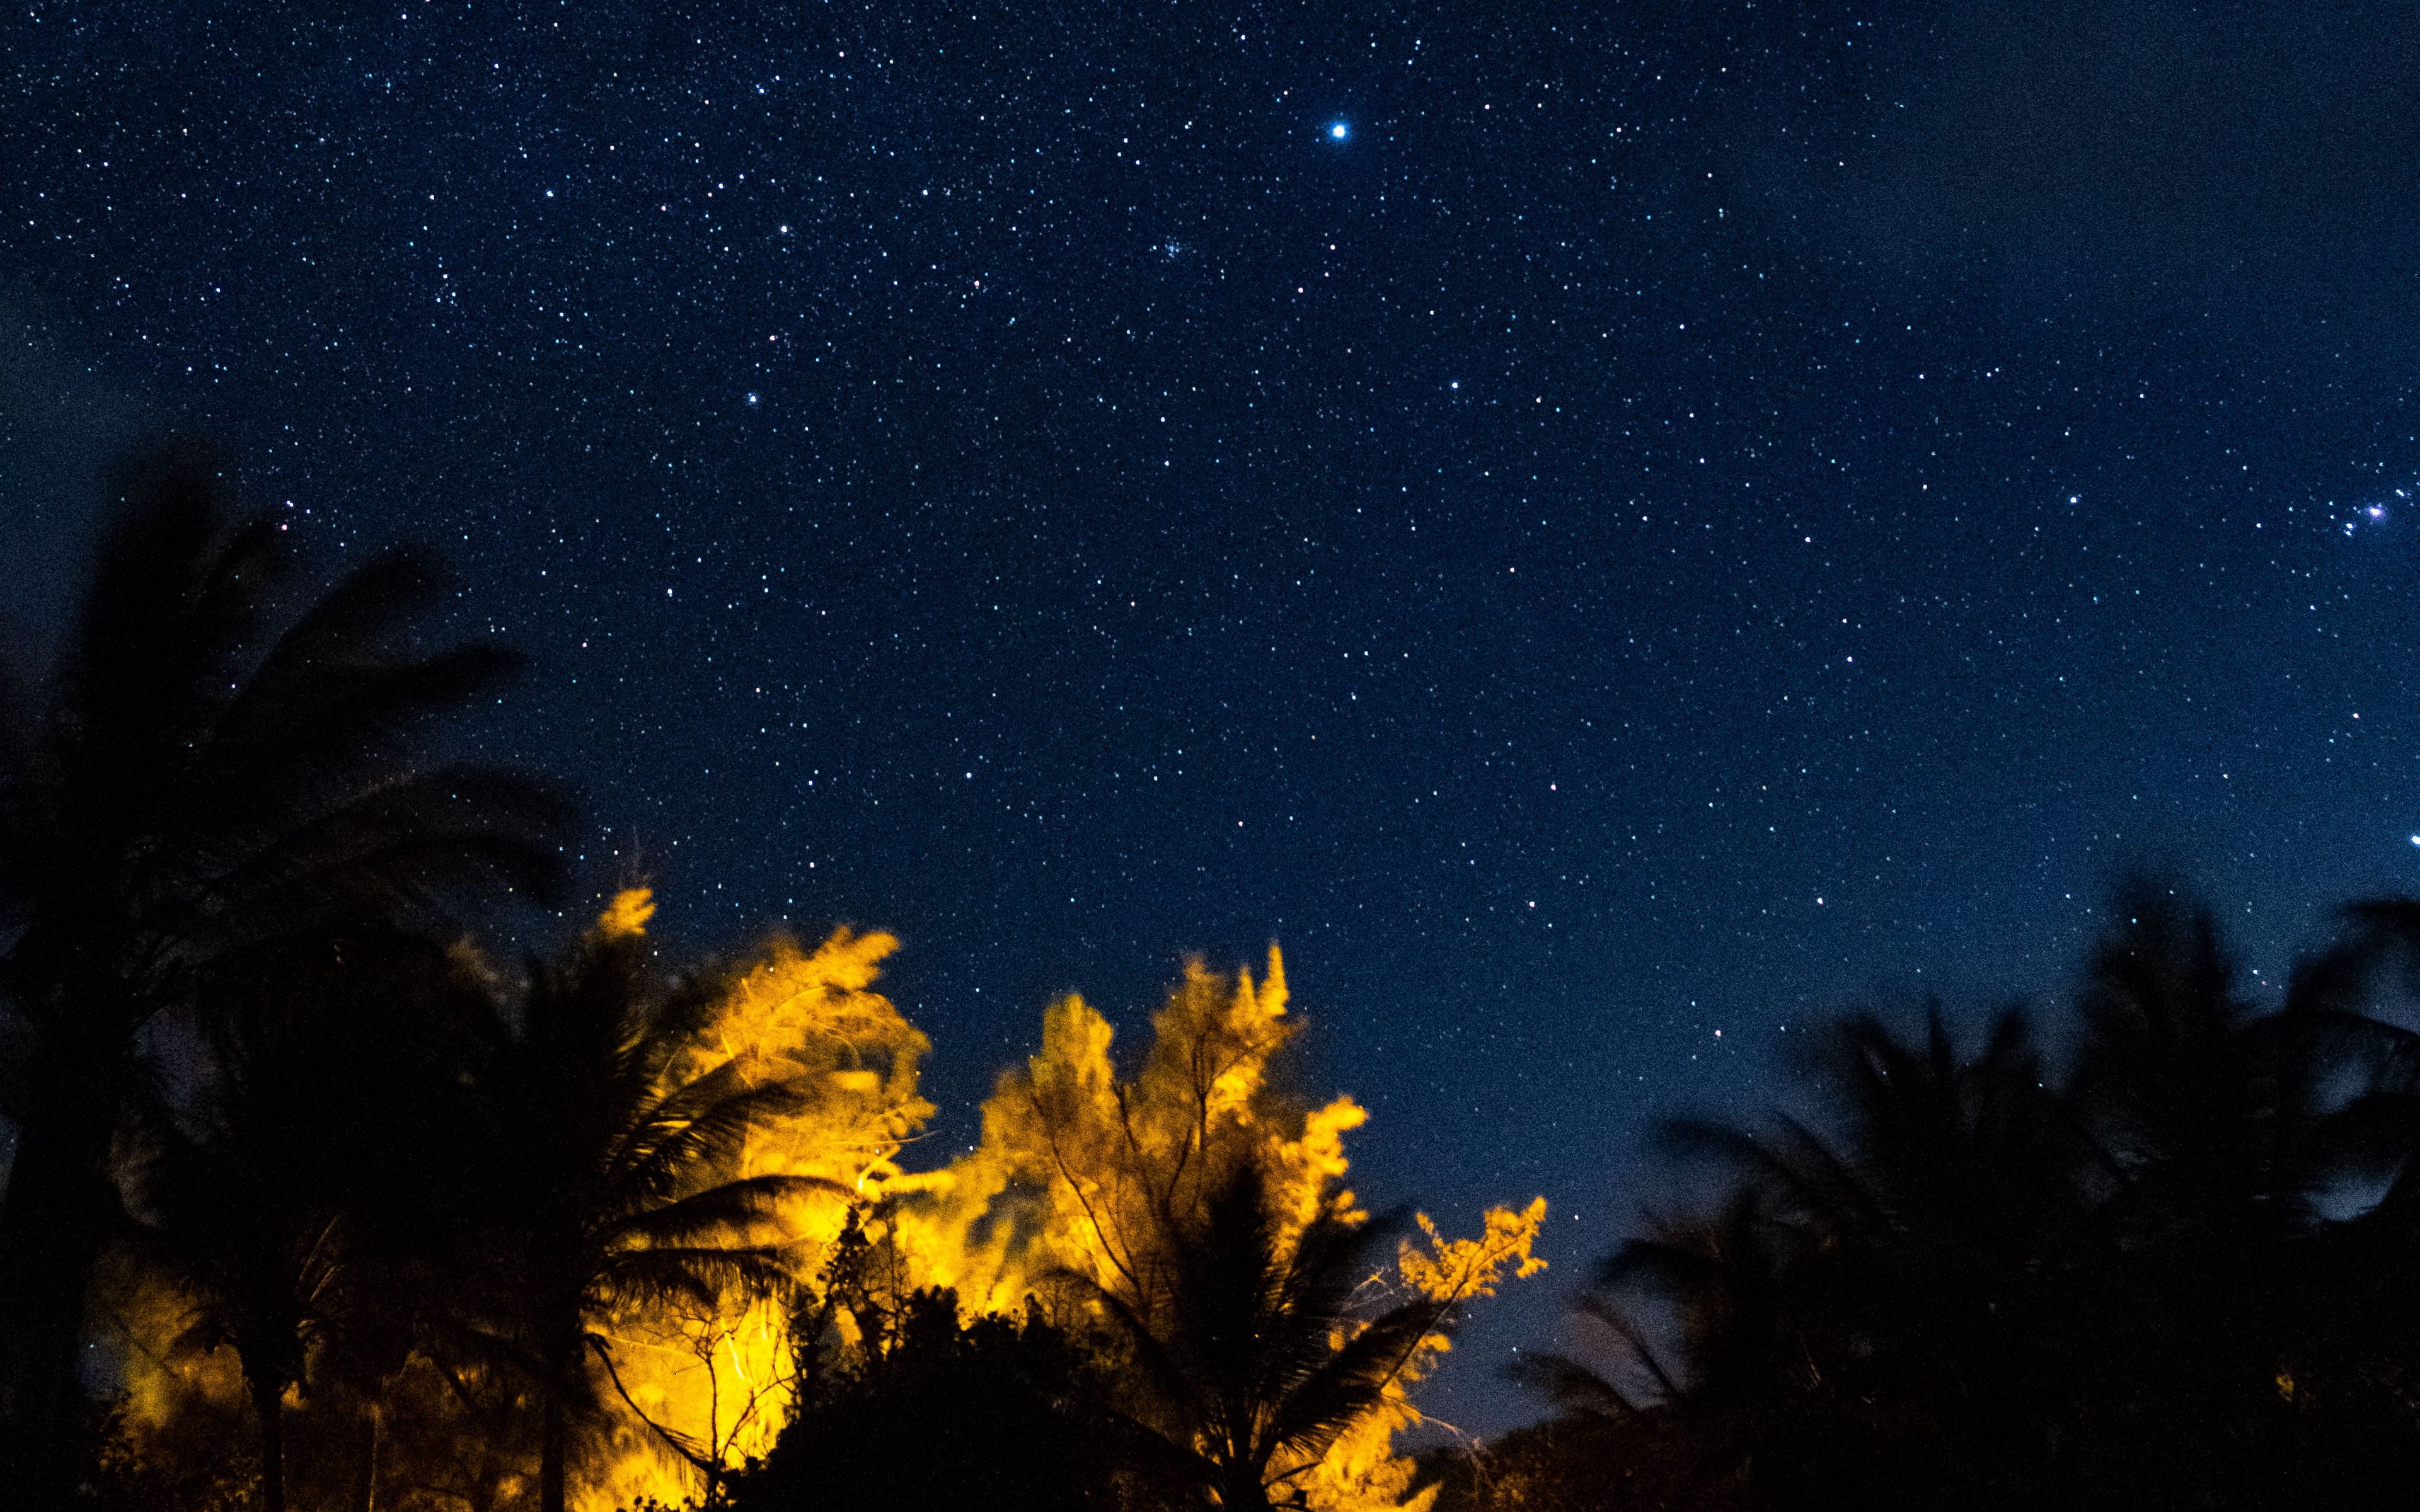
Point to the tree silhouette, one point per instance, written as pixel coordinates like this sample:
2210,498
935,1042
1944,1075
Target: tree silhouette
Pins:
205,775
1004,1414
1977,1285
1875,1316
2203,1112
2353,1315
1261,1352
612,1180
278,1193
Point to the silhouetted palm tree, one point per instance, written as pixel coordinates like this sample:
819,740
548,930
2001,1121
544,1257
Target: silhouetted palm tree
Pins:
1745,1399
1259,1354
1868,1315
1978,1286
613,1175
2353,1311
204,776
2204,1113
276,1192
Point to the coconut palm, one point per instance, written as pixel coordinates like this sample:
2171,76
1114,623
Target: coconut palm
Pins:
612,1172
2203,1111
1261,1351
1976,1287
218,762
1884,1294
1748,1323
2356,1315
280,1195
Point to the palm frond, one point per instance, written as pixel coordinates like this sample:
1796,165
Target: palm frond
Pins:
694,1275
1346,1383
704,1124
729,1208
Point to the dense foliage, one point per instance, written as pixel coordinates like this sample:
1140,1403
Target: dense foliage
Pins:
316,1201
2173,1275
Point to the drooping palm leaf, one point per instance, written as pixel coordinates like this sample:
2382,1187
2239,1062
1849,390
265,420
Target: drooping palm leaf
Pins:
216,763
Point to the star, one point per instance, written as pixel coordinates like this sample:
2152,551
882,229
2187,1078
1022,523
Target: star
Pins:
1338,130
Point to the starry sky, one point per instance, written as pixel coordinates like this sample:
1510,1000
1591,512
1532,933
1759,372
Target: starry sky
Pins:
1609,529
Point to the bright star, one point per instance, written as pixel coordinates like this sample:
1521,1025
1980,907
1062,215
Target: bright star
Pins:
1339,132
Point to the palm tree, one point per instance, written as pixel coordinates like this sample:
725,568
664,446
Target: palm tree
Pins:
1259,1354
281,1194
1979,1286
1748,1325
1871,1315
2203,1112
2355,1313
204,773
614,1185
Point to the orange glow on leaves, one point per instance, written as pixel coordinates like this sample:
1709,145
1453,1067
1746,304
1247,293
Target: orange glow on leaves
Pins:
1081,1166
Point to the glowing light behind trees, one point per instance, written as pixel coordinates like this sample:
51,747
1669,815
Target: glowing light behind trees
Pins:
1076,1174
1084,1178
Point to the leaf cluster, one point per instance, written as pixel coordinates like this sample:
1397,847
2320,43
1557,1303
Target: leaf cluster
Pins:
2161,1278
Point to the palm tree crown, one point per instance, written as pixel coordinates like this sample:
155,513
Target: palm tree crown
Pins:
207,775
1261,1351
617,1168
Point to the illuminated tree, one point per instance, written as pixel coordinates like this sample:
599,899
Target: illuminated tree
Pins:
1116,1200
1259,1349
1083,1172
717,1378
614,1171
204,775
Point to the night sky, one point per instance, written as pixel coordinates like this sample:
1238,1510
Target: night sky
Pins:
1609,529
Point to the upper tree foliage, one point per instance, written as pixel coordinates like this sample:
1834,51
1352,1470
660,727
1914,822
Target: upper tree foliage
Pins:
615,1185
1178,1212
2150,1281
221,762
357,1218
1260,1352
368,1221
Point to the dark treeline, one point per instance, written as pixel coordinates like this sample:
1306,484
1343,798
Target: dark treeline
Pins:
313,1203
277,1114
225,842
2177,1273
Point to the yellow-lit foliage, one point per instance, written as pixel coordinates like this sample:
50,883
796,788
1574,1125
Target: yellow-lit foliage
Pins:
719,1378
628,914
1362,1469
1085,1173
1081,1169
173,1399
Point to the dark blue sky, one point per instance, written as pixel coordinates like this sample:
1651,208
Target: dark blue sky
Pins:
1685,516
